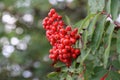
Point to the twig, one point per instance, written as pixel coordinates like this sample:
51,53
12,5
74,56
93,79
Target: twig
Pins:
115,22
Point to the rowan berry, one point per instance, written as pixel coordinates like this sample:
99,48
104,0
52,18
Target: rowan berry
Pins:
64,51
74,55
61,38
66,41
52,11
68,28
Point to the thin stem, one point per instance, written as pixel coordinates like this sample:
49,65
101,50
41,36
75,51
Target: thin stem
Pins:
109,15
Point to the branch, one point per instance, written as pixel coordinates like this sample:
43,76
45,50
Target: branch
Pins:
115,22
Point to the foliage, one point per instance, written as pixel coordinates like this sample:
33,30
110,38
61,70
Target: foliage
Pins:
100,45
23,45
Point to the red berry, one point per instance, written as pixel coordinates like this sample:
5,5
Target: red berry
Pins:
64,51
77,51
61,22
62,39
46,19
73,40
48,22
69,55
50,51
61,46
67,37
53,28
51,20
65,56
74,55
55,16
68,47
50,14
68,28
66,42
59,17
52,11
63,31
61,35
77,36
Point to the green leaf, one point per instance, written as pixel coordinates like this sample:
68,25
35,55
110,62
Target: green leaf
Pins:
99,74
73,64
98,69
87,75
70,69
85,53
43,5
91,27
1,28
69,77
52,74
89,70
8,3
79,69
108,37
78,24
108,6
63,76
118,42
97,35
59,64
68,20
107,24
85,36
114,8
113,76
116,64
119,58
65,69
84,24
96,5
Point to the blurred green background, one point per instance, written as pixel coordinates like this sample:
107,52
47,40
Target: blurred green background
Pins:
24,48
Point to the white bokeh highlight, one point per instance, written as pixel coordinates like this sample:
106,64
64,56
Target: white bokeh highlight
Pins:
23,3
22,46
46,58
4,41
35,79
53,2
7,18
14,41
69,1
9,27
36,64
19,30
27,74
7,50
28,17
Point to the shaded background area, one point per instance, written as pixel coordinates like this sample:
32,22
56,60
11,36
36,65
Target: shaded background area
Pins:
24,48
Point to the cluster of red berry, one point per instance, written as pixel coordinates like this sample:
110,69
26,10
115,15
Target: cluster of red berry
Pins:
61,38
